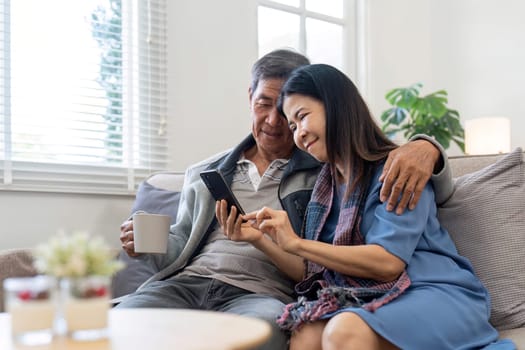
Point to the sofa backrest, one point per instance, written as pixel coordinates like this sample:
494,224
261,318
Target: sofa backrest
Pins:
462,165
485,217
167,180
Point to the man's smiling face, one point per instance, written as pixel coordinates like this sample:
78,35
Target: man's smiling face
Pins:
270,129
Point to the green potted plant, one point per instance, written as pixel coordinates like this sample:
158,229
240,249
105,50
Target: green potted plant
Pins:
412,114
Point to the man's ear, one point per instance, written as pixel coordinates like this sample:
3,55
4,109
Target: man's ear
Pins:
250,94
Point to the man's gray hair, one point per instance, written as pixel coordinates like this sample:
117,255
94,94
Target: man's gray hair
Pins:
277,64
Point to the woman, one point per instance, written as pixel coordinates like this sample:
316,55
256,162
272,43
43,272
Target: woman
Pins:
371,279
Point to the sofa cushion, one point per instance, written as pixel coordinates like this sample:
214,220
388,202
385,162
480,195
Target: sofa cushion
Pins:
486,219
153,200
156,200
15,263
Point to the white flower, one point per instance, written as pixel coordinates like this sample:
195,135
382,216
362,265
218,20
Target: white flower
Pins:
75,255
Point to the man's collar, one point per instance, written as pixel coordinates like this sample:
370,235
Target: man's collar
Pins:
299,160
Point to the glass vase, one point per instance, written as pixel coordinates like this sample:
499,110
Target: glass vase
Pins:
30,302
85,306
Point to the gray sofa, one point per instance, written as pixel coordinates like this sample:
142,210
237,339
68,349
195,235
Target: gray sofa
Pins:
485,216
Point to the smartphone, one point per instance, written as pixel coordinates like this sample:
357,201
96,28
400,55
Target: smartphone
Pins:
220,189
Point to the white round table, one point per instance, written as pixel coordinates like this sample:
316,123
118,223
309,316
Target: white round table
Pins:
160,329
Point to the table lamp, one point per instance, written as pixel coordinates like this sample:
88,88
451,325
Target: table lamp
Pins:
487,135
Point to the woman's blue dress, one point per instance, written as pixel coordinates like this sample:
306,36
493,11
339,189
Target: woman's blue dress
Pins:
446,306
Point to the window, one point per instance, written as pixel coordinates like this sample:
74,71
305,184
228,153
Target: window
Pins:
82,94
313,27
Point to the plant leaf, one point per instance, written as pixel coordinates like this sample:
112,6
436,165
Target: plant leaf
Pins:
386,115
393,116
404,97
429,115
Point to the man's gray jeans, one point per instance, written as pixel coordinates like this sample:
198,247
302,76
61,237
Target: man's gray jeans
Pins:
192,292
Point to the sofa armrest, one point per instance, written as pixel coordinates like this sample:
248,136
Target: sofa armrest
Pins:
158,194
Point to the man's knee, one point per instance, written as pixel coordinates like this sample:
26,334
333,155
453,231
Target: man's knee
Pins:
263,308
254,305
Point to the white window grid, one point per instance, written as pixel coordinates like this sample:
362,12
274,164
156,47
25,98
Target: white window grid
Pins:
355,30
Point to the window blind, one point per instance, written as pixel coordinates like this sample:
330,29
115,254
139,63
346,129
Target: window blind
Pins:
82,94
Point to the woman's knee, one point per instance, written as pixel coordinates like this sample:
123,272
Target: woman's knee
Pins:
308,337
341,328
348,331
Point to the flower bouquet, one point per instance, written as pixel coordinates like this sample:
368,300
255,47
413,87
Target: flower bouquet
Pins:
83,265
76,255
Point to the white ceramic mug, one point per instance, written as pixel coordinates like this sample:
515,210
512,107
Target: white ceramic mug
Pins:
150,232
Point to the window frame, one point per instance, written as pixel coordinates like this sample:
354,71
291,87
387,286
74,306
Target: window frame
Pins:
348,22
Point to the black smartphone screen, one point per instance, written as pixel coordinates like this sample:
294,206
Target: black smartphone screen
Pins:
220,189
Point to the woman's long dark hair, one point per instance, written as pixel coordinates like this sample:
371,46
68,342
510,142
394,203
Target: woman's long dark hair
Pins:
352,136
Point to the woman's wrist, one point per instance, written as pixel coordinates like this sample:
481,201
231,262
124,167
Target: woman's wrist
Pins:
294,246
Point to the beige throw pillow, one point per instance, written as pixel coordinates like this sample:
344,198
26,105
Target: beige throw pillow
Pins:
486,219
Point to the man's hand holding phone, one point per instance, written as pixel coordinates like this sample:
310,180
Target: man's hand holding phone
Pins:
233,225
220,189
228,210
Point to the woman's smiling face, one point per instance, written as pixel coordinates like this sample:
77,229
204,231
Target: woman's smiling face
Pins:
307,121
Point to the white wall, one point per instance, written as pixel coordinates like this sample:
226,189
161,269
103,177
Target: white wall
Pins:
212,45
474,49
28,218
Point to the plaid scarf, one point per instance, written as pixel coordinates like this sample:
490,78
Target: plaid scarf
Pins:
325,291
